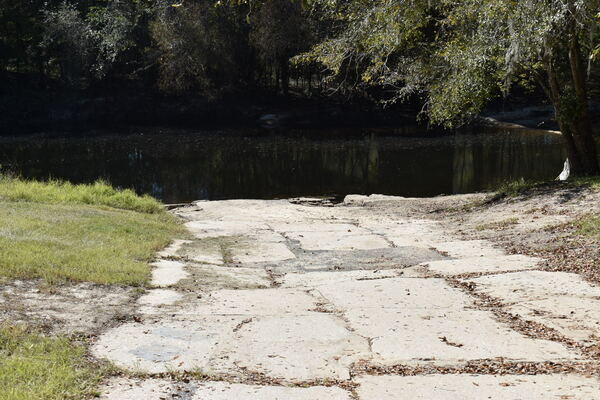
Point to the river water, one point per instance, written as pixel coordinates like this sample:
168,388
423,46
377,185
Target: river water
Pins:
183,165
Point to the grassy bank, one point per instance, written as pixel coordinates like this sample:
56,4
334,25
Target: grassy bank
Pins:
524,187
62,232
34,367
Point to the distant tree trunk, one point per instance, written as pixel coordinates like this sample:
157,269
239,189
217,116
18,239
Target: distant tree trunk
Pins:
285,75
572,114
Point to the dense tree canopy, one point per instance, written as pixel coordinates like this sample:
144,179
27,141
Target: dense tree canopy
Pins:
452,56
200,46
460,54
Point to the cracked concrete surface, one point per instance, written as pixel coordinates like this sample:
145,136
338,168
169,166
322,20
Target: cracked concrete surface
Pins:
280,300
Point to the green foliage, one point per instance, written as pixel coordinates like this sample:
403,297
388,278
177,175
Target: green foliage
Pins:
198,47
35,367
458,55
279,30
210,47
86,44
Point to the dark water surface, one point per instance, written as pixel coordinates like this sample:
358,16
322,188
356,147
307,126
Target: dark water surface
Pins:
181,166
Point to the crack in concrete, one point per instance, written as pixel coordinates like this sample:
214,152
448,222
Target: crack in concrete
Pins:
530,329
480,367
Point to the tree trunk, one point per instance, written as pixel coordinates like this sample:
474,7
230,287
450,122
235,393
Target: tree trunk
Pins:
583,136
285,76
572,115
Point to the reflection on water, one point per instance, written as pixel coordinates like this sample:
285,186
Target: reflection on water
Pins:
184,166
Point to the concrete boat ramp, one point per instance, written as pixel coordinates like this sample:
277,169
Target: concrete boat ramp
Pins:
300,301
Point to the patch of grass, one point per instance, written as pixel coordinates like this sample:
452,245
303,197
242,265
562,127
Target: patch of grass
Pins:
592,182
589,225
35,367
59,192
498,224
515,188
521,186
64,240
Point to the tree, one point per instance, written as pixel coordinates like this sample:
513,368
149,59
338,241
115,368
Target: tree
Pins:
20,34
200,46
68,41
87,41
458,55
279,32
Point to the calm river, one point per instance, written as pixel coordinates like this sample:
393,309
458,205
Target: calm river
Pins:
180,166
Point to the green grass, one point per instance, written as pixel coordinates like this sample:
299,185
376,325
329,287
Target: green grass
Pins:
589,225
34,367
505,223
522,186
591,182
515,188
59,192
60,232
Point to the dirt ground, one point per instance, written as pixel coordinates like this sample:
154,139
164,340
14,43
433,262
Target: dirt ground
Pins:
72,309
540,223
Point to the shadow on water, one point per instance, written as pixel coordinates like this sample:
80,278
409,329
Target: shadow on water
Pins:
181,166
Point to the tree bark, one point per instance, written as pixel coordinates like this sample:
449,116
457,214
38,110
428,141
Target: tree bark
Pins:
574,119
583,136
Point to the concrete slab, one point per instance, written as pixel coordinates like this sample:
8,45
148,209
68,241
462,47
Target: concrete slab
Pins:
482,264
228,391
167,273
158,297
259,302
424,241
215,228
359,200
345,260
318,226
167,345
316,279
334,241
211,277
530,285
260,251
560,300
296,347
419,233
264,211
477,387
172,249
412,321
469,248
207,250
271,331
354,300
